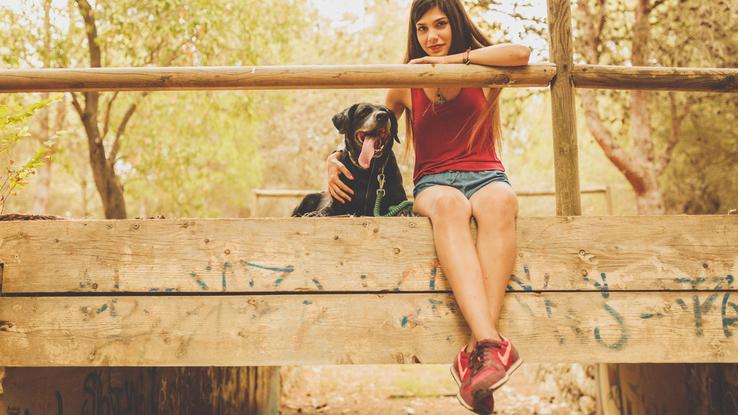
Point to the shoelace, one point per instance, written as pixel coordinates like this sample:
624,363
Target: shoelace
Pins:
482,354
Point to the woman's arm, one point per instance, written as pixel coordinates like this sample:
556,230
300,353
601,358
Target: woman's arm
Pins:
396,101
503,54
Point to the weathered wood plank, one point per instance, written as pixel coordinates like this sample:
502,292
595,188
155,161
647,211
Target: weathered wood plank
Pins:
360,328
270,77
357,254
361,76
655,78
563,110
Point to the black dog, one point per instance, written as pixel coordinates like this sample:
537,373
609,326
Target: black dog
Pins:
369,132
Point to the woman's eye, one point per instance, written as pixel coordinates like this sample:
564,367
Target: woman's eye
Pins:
442,24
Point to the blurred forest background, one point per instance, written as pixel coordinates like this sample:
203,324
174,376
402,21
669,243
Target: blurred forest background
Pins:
201,154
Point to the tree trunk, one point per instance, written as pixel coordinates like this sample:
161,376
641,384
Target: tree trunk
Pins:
103,169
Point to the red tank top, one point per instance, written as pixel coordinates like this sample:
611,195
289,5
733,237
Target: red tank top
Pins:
441,133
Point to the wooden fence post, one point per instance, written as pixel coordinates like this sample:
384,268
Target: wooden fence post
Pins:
563,110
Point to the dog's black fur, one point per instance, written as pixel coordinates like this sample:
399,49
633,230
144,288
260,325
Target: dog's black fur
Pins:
358,123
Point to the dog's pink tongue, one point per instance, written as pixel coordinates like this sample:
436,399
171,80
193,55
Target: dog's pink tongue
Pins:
367,152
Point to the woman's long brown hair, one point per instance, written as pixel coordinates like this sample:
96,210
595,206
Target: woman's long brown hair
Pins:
465,35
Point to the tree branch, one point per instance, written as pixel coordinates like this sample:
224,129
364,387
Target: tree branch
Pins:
616,154
122,128
674,132
91,30
76,104
107,113
655,4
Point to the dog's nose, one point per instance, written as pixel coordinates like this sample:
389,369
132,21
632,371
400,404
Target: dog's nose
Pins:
382,116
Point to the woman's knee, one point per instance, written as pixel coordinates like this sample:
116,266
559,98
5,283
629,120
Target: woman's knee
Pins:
446,203
497,202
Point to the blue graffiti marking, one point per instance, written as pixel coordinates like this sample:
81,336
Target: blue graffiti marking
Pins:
651,315
199,282
288,268
701,309
283,270
603,287
694,282
223,280
307,302
620,343
520,283
102,308
432,282
404,320
548,305
728,321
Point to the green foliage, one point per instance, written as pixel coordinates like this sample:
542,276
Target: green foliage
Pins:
701,175
14,129
204,164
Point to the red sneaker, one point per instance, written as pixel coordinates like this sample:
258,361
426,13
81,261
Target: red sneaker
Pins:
482,403
490,365
460,367
509,358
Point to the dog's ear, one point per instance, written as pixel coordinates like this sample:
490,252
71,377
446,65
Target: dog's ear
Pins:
342,120
393,126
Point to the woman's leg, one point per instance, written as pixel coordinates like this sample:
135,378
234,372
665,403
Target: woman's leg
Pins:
495,208
450,214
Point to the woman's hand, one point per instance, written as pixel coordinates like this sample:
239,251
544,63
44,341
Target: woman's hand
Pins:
336,188
431,60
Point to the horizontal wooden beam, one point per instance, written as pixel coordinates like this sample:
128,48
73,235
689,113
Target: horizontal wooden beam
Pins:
270,77
360,328
356,255
655,78
360,76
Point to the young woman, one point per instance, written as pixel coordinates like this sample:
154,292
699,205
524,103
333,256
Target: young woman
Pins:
458,176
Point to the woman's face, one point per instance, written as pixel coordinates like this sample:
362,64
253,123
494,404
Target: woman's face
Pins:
434,32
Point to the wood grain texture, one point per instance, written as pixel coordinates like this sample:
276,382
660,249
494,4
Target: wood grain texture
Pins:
270,77
356,254
141,390
563,110
655,78
361,328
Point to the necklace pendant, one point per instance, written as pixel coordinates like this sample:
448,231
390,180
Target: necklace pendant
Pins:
441,99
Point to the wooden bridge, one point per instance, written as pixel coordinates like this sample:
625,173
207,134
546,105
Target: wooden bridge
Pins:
266,292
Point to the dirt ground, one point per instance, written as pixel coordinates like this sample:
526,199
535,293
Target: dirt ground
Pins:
402,389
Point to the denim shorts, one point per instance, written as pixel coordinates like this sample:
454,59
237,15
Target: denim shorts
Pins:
468,182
